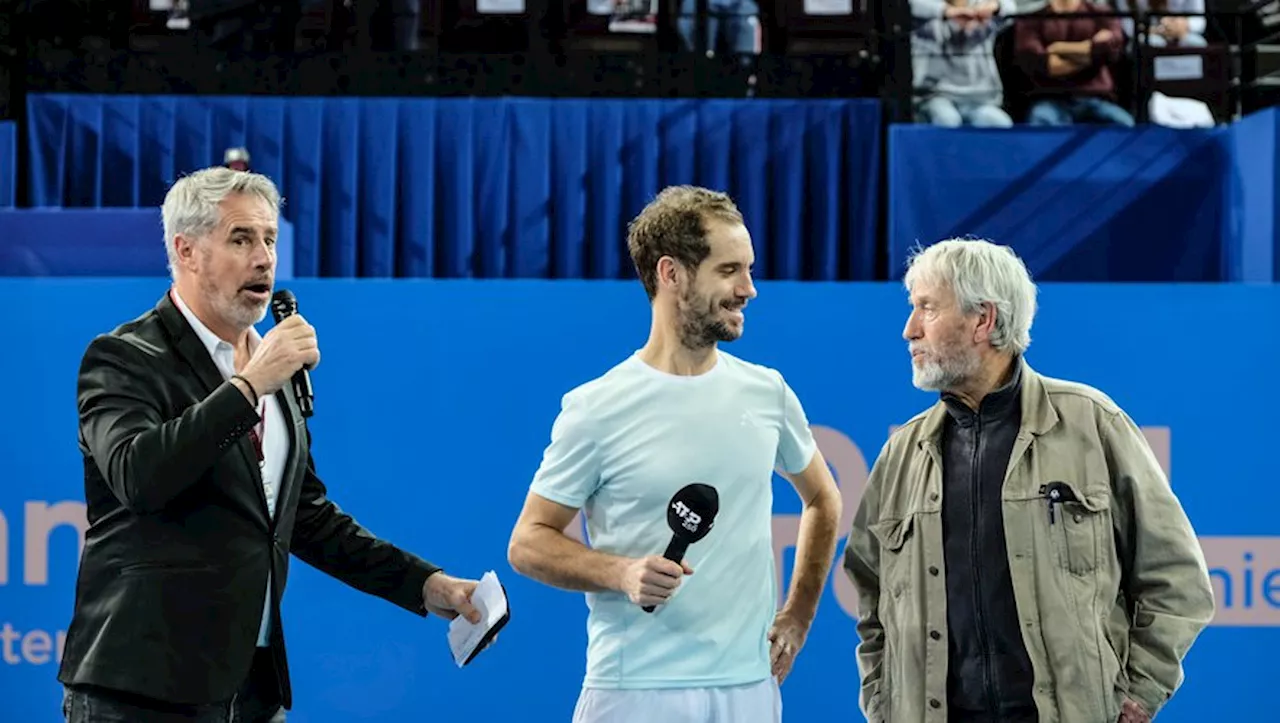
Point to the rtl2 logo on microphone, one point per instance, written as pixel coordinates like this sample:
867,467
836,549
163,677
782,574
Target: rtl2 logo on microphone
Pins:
688,518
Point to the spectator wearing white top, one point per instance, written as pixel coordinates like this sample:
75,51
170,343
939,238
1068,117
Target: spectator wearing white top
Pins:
1186,31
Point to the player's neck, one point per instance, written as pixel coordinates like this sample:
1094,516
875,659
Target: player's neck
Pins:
664,352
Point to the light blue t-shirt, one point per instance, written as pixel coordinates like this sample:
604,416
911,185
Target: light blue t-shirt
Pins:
621,446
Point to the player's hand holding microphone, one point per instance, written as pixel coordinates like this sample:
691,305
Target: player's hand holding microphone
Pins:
652,580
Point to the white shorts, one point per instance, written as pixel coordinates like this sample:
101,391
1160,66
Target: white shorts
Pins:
752,703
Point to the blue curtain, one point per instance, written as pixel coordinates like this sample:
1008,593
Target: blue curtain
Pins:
8,162
1078,204
482,187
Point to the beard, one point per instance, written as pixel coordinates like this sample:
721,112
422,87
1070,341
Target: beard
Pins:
700,326
233,308
946,368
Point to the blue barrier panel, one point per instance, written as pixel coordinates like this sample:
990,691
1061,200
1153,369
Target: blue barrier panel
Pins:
1078,204
98,242
431,419
8,163
486,187
1253,249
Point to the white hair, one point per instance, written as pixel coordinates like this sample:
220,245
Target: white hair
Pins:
191,205
978,272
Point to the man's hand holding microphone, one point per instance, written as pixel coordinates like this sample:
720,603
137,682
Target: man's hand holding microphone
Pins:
287,351
288,347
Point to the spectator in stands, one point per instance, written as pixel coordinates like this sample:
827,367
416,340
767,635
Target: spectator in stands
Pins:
1168,31
1068,59
731,24
953,60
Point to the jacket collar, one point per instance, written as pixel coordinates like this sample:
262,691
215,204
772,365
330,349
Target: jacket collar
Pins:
1038,414
187,342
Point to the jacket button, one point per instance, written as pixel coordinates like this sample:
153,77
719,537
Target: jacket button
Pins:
933,570
933,496
1078,517
934,703
935,634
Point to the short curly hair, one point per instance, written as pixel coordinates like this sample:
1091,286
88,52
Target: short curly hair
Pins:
674,224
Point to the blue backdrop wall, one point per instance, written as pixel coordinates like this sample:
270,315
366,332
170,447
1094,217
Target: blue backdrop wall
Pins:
435,399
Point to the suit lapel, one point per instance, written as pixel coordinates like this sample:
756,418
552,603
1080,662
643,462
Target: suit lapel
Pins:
188,344
297,444
194,353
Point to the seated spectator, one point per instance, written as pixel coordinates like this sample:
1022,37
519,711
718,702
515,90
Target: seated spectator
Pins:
1185,31
731,24
953,62
627,16
1067,60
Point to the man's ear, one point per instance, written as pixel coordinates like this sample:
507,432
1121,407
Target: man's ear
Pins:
986,322
670,273
184,247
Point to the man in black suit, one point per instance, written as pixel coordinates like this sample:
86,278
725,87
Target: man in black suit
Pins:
199,483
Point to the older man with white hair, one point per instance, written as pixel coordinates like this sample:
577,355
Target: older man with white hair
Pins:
1018,554
200,483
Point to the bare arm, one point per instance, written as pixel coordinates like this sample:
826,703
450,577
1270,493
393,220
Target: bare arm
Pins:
540,550
816,545
1060,66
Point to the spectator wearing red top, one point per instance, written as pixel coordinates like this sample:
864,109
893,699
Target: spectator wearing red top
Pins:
1068,59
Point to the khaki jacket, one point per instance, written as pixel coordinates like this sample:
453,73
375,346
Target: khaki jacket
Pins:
1111,595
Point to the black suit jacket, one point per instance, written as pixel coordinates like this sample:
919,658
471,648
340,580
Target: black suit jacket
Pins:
172,581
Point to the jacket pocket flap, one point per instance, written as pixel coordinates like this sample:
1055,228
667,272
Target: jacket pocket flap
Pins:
1093,499
892,533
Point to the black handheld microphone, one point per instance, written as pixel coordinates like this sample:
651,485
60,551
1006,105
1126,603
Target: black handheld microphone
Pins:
690,515
283,306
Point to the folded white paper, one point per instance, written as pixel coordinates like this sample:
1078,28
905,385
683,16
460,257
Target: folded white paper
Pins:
467,640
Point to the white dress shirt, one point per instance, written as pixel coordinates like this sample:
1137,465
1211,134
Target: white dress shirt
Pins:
272,430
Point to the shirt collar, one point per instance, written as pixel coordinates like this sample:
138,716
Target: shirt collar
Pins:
212,342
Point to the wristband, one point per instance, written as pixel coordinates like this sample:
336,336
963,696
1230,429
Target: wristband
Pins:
252,391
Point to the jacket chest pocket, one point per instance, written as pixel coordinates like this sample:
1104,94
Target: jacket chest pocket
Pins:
1080,526
895,563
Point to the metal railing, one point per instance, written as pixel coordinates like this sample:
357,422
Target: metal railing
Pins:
695,50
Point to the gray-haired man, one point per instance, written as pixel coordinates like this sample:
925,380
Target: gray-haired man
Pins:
1018,554
200,485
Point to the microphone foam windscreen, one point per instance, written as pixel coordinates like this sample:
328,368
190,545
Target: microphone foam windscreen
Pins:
283,304
692,511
